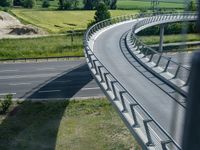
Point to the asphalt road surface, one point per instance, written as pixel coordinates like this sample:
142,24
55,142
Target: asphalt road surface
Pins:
160,106
48,80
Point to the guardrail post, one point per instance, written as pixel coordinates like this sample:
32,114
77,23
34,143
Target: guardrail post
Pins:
107,83
162,30
136,124
169,60
95,66
114,91
164,143
177,71
100,73
150,141
122,100
158,61
150,59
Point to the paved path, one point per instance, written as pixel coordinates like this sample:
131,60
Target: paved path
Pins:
48,80
152,98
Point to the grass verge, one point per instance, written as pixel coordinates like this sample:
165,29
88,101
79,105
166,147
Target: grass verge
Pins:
41,47
88,124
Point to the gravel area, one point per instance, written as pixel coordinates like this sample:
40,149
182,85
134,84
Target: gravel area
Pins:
11,27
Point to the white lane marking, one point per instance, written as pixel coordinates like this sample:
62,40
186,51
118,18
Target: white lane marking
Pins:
93,88
29,76
45,69
8,70
13,84
49,91
2,94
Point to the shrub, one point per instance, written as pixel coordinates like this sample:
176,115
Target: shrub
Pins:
5,104
28,3
45,4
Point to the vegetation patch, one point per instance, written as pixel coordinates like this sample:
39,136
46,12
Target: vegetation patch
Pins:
169,38
62,45
88,124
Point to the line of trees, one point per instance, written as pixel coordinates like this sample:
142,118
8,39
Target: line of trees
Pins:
62,4
92,4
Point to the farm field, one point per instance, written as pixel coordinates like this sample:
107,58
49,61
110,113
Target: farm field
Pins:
61,21
88,124
133,4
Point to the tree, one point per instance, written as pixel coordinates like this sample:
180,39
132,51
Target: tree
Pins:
68,4
88,4
6,3
93,4
113,4
192,6
45,4
17,3
28,3
101,13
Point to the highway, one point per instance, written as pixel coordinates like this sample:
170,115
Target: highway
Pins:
48,80
157,102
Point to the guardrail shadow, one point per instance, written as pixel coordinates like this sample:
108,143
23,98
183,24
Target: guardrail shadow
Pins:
35,125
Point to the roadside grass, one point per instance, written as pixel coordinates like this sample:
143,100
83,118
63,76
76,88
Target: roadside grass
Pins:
169,38
62,21
84,124
41,47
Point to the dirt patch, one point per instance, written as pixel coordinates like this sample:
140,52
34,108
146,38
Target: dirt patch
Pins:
12,27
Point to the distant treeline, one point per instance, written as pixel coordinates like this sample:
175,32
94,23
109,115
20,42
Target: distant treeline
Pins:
62,4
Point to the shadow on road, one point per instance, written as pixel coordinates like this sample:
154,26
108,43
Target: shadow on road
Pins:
63,86
35,125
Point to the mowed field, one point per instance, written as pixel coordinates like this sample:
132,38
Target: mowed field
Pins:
61,21
134,4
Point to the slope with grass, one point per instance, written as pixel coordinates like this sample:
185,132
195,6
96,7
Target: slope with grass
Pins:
61,21
89,124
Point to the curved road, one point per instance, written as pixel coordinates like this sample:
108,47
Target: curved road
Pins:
107,48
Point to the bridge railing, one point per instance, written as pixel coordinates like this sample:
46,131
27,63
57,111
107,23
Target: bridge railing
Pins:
136,117
179,74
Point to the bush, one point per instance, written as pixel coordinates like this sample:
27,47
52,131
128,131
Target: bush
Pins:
45,4
101,13
91,23
5,104
28,3
6,3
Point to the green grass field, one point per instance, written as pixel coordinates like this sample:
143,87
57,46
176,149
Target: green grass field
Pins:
41,47
133,4
61,21
62,125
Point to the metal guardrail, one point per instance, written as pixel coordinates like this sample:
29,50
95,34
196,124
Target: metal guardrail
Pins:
147,55
141,124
